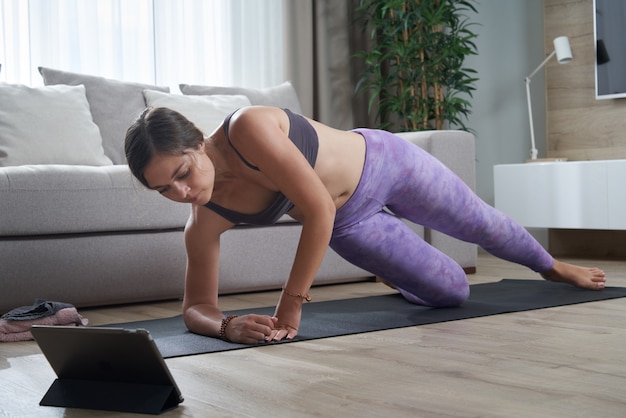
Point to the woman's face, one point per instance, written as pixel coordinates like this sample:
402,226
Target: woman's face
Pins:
187,178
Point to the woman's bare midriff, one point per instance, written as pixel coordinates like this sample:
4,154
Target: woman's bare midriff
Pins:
340,160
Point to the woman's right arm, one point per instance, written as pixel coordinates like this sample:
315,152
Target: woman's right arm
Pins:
200,307
200,303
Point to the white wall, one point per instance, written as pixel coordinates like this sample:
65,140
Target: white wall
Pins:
510,46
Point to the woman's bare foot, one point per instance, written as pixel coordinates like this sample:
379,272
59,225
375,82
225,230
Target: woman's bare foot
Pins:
583,277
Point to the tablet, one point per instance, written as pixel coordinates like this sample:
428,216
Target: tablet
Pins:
112,369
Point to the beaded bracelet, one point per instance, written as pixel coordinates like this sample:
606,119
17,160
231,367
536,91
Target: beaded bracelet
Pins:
225,323
307,297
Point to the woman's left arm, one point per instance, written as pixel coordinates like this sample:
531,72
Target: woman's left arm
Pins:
264,142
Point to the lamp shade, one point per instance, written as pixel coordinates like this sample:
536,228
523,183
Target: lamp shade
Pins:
563,50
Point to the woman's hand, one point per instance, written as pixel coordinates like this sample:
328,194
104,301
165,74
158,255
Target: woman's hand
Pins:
250,329
288,314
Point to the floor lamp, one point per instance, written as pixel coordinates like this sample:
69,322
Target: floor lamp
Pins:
563,56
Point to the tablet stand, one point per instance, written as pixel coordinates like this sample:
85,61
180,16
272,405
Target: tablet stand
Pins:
111,396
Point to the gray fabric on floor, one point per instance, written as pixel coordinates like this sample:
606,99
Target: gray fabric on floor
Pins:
40,309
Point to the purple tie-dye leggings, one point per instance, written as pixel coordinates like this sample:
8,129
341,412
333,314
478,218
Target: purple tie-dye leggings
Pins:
404,179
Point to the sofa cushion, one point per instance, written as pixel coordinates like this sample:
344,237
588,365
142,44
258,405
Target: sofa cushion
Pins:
282,95
114,105
48,125
206,112
61,199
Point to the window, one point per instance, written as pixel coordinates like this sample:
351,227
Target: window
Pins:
164,42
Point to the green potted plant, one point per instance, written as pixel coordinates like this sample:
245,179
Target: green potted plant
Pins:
414,72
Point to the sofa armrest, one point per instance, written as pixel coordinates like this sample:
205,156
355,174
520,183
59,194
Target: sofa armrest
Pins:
456,150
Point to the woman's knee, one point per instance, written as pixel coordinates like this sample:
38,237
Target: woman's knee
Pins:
438,292
388,248
455,297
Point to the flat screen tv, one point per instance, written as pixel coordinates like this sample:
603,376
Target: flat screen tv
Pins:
610,38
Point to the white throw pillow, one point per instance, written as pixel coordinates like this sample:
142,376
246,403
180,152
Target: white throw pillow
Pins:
282,95
48,125
206,112
114,105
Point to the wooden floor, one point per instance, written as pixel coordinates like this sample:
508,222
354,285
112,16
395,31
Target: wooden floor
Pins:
559,362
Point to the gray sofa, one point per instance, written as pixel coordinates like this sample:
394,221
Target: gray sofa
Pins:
89,235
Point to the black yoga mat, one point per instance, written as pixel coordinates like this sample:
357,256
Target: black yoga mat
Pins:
376,313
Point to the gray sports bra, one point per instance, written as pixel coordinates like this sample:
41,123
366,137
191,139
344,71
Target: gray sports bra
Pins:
303,135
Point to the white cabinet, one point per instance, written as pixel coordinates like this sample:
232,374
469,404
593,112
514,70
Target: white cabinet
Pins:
572,195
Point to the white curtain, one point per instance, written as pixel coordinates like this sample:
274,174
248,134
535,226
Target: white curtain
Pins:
164,42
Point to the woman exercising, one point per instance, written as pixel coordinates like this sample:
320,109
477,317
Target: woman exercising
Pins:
341,186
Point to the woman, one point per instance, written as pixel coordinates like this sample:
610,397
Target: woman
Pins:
264,162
